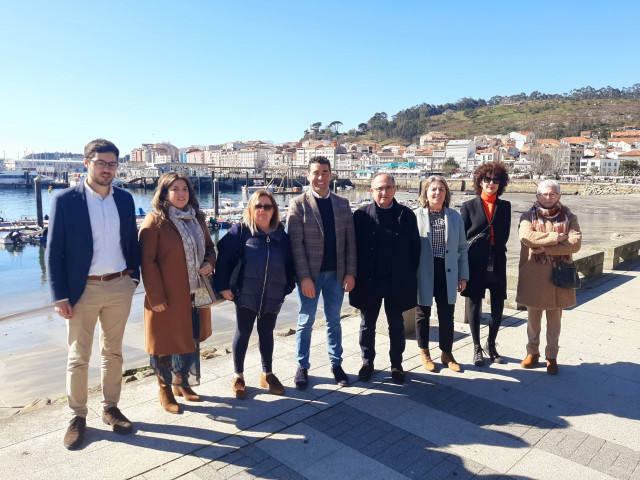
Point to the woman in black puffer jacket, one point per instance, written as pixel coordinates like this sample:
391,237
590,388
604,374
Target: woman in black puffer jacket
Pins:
265,276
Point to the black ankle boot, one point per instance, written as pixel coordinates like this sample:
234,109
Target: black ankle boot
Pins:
493,353
478,359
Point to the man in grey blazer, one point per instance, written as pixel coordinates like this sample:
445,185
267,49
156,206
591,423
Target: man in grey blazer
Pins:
324,254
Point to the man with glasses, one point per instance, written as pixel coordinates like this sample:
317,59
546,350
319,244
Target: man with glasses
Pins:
388,252
324,254
93,268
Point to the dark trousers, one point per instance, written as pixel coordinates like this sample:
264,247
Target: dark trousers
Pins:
245,319
444,309
474,307
369,317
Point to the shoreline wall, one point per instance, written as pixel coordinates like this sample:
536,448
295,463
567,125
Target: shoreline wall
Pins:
526,186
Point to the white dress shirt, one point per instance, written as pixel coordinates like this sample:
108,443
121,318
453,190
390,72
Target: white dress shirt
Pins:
105,228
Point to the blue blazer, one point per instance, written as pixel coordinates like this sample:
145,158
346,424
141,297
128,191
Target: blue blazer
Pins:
70,241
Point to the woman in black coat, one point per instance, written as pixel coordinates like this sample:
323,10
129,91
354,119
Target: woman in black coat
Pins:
487,221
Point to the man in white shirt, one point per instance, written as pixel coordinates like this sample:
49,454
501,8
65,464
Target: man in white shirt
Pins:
93,267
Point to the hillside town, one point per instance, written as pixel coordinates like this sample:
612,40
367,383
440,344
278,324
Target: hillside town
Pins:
585,155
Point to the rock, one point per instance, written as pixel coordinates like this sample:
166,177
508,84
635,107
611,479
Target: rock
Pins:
287,332
130,378
205,352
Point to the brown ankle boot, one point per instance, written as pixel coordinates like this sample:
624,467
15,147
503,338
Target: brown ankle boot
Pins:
552,366
449,361
167,400
530,361
427,363
186,392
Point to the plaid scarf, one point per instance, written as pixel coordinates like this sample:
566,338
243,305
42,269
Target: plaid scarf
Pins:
559,218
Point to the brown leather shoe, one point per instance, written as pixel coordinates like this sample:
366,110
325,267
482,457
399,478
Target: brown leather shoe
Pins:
271,382
552,366
119,423
530,361
239,388
186,392
167,400
449,361
74,435
427,362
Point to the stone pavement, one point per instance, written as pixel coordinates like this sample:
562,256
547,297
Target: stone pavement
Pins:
499,421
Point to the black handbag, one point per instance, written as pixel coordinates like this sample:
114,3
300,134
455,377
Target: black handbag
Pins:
565,275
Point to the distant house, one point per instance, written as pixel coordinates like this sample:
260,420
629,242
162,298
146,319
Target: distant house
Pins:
434,139
520,138
631,155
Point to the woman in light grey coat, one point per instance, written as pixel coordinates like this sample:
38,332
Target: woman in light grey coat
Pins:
443,269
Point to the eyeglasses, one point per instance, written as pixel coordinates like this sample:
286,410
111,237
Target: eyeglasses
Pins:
102,164
267,208
384,188
495,181
548,195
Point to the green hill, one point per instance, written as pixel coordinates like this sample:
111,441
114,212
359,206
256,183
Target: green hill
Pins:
547,118
556,117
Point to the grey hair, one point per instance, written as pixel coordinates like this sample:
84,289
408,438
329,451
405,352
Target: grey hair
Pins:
549,183
379,174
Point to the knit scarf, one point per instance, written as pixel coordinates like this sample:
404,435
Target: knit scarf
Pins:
559,219
192,241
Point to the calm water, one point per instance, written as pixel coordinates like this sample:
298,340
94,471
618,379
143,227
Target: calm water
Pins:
23,284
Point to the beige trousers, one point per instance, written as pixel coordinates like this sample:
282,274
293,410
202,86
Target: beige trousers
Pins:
534,321
111,302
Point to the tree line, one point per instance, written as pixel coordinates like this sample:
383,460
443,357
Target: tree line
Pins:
408,124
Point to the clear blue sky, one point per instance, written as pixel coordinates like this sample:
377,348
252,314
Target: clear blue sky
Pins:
206,72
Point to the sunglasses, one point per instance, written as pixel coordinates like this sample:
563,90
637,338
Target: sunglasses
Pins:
495,181
267,208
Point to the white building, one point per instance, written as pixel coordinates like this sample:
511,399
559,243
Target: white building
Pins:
521,138
252,157
304,154
461,151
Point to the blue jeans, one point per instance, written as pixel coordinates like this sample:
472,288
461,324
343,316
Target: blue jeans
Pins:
332,296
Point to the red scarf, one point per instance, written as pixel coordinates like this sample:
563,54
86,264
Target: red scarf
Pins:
559,219
489,205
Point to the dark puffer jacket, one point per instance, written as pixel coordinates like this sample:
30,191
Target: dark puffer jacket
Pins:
267,276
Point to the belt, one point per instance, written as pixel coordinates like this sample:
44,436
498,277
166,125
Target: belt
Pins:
110,276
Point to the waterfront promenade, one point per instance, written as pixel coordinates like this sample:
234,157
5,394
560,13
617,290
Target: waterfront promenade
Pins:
500,421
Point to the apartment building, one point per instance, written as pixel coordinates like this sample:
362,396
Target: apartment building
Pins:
461,151
155,153
304,154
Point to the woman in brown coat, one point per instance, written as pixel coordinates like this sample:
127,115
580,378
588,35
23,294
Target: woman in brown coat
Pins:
549,232
176,250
